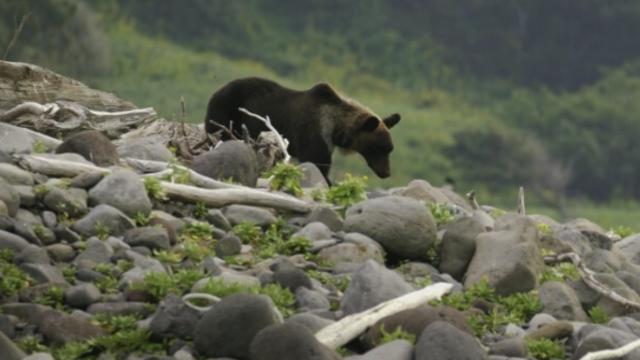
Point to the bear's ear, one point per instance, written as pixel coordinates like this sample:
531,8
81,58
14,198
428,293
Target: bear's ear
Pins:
370,124
323,90
392,120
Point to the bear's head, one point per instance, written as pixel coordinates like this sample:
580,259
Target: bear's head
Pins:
373,141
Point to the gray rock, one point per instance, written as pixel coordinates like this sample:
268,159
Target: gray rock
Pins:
81,296
603,261
289,341
414,321
60,328
91,145
7,326
603,339
27,195
27,218
371,285
403,226
233,160
423,191
174,319
357,238
554,331
123,190
561,301
443,341
29,313
4,211
313,178
315,231
86,180
229,245
541,319
15,140
33,254
71,201
508,257
149,148
242,213
12,241
216,218
8,349
143,266
327,216
514,348
97,252
310,321
629,247
39,356
625,324
292,279
228,329
62,232
31,293
15,175
576,239
396,350
104,215
25,230
351,253
227,278
150,237
458,246
43,273
611,307
5,157
582,224
60,253
10,197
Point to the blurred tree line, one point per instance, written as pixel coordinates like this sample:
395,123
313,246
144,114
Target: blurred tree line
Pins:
558,78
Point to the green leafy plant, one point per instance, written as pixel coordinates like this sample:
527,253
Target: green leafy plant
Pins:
39,230
6,255
623,231
102,231
141,220
52,296
69,274
30,344
598,316
544,349
158,285
179,174
441,213
286,178
13,279
41,190
115,323
295,245
398,334
39,147
347,192
200,210
544,229
247,232
561,272
72,351
154,189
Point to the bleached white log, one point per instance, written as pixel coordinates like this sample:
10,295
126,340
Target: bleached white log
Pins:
267,122
612,353
160,169
244,196
56,167
348,328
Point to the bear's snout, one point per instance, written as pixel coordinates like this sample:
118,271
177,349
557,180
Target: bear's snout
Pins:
381,168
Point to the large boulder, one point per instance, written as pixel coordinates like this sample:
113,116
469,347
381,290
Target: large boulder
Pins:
228,329
508,257
371,285
403,226
444,341
289,341
233,160
123,190
459,246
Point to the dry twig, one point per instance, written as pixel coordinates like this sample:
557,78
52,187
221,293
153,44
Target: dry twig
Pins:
16,33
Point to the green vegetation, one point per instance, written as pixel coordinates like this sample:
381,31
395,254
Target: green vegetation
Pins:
398,334
53,296
561,272
347,192
441,213
598,316
545,349
285,177
13,279
200,210
154,189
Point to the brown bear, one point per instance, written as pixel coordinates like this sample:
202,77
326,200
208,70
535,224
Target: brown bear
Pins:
314,121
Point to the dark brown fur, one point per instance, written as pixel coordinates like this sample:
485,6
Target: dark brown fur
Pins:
314,121
93,146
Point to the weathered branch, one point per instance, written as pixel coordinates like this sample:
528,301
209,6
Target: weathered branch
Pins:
588,276
55,167
161,170
245,196
471,197
267,122
612,353
348,328
16,33
521,209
